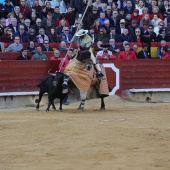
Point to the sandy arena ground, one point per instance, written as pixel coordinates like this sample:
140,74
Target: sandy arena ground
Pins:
127,136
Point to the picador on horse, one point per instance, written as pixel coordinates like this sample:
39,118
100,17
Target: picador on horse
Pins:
82,68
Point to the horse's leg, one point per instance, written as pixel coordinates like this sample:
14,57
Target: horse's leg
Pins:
83,98
102,104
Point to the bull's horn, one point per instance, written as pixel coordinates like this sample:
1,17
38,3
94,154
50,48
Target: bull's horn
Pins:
52,74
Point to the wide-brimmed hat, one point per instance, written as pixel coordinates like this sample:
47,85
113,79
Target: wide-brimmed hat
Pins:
81,32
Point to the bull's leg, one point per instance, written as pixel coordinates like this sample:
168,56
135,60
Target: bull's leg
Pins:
54,108
102,104
39,100
50,101
61,104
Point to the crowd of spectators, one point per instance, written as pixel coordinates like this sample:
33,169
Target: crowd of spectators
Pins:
108,22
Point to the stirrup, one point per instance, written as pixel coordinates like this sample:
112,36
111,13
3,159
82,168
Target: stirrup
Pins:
100,74
65,89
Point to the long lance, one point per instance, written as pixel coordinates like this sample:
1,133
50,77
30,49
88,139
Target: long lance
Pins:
79,26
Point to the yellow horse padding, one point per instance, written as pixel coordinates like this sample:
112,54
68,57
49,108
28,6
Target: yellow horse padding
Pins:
84,78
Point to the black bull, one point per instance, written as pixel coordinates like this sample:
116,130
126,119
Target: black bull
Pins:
53,86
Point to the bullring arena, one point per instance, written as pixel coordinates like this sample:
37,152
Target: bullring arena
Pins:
127,136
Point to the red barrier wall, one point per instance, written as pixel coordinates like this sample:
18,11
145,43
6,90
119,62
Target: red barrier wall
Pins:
123,74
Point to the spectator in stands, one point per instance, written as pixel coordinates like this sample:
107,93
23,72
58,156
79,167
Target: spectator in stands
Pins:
32,35
21,18
43,12
128,19
98,47
136,16
62,24
156,11
162,35
113,47
103,8
23,8
8,35
46,46
38,25
106,56
8,7
33,18
128,8
97,4
13,25
145,19
144,53
137,37
114,20
48,27
9,16
2,26
167,19
164,54
160,25
132,27
53,36
125,36
114,6
155,21
56,55
49,17
56,14
121,13
162,44
140,6
94,15
151,6
104,48
66,36
127,53
16,12
16,46
22,34
48,7
70,15
39,55
108,12
113,34
27,24
102,36
165,8
120,27
149,35
102,18
37,7
91,34
31,47
96,26
107,26
24,55
135,49
62,46
42,36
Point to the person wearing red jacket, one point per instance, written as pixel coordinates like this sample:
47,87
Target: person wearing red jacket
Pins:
127,53
164,54
106,56
136,16
23,8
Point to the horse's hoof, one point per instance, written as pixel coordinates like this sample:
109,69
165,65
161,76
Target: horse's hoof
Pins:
60,110
80,109
102,109
37,109
47,110
54,109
